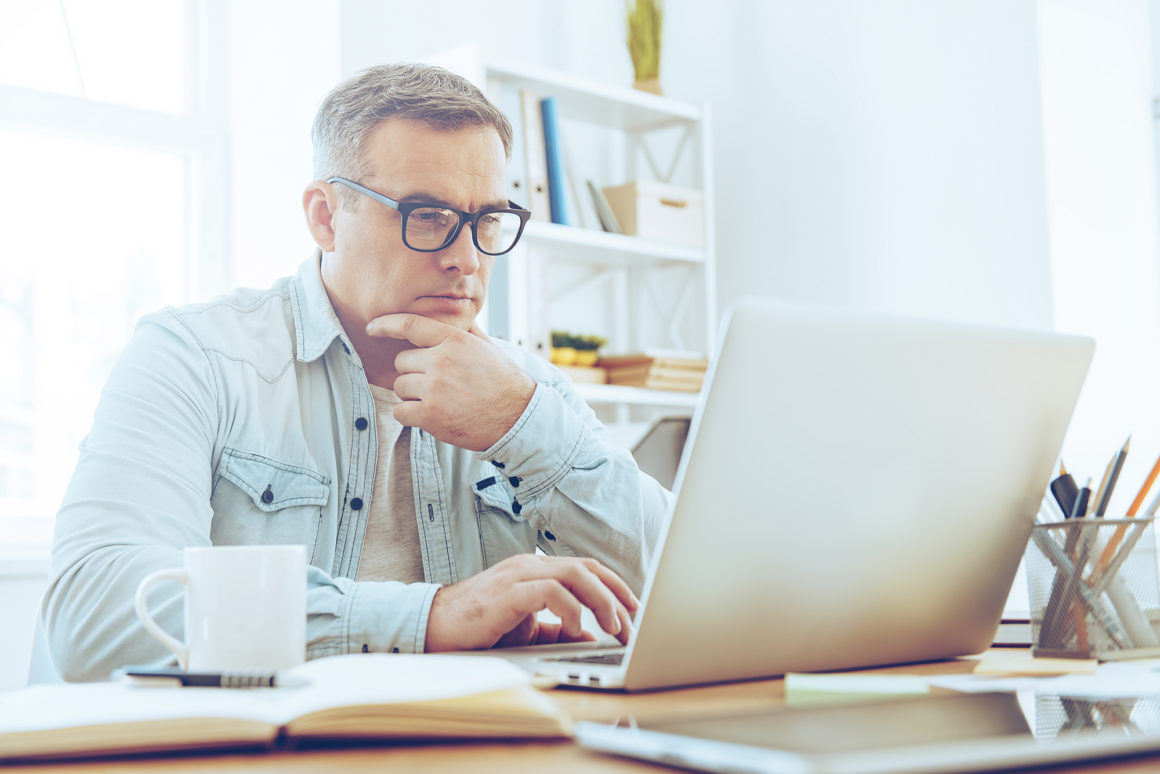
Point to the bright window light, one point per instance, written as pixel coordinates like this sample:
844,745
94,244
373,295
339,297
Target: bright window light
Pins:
99,242
107,197
128,52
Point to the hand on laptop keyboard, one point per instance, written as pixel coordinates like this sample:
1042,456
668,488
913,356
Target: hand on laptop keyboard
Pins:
499,605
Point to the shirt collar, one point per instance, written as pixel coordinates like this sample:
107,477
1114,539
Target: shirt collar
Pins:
316,324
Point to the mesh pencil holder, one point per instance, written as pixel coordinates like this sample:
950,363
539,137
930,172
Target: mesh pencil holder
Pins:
1094,590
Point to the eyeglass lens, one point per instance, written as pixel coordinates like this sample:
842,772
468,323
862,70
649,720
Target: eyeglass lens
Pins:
429,228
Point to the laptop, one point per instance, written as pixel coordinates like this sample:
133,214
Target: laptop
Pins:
856,490
658,452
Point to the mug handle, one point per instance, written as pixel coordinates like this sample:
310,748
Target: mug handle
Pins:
177,575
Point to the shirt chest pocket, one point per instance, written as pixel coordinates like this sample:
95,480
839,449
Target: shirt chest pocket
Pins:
257,499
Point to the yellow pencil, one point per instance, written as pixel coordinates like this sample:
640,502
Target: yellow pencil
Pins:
1132,511
1118,536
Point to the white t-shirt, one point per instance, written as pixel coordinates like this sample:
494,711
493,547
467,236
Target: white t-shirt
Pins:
391,545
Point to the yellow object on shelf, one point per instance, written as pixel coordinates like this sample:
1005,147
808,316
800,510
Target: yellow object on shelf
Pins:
586,358
562,356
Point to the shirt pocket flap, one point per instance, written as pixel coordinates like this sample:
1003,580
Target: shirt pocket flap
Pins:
272,484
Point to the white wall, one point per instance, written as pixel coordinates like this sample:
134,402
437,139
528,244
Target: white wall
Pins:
1096,65
886,155
283,59
978,160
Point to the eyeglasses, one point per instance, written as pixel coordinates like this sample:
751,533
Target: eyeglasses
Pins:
429,228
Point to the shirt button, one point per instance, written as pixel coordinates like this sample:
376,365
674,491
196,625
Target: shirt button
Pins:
268,495
360,423
356,504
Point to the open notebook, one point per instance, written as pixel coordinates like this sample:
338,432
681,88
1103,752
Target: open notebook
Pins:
358,696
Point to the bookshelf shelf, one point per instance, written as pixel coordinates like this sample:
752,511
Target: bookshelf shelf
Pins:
639,293
586,246
614,394
624,109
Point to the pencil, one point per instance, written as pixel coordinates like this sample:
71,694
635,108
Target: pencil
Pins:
1111,478
1103,482
1118,536
1132,511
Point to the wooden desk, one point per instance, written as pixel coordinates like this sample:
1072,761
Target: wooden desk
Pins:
512,758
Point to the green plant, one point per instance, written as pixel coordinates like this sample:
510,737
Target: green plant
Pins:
589,342
645,20
561,339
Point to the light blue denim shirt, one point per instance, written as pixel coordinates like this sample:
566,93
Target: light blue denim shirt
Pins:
248,419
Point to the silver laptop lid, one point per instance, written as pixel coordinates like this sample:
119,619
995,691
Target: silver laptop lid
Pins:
856,490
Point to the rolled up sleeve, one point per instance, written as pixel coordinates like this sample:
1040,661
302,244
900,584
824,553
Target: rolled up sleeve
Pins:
585,495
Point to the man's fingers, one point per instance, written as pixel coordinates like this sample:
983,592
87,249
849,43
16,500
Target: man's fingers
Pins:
535,595
625,632
615,584
409,413
526,632
551,633
420,331
590,590
410,386
413,361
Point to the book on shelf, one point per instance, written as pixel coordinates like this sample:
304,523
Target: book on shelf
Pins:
604,212
367,696
535,160
554,158
668,371
691,361
657,381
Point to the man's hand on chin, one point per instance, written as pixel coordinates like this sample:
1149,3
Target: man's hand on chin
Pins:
456,385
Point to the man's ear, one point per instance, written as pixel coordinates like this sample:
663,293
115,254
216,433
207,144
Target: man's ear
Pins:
320,203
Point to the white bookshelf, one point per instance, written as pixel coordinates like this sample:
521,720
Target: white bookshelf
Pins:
642,294
587,246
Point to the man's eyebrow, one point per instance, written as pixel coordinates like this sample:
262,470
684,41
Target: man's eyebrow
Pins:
426,198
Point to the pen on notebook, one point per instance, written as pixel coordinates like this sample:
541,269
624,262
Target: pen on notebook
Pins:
203,679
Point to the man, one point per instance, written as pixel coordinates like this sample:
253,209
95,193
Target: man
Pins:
356,408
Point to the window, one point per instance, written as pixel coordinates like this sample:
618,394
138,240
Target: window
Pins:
109,167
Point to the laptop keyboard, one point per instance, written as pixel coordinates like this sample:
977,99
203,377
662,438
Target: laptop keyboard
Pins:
608,659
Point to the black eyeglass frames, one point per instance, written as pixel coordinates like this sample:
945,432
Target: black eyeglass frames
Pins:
428,228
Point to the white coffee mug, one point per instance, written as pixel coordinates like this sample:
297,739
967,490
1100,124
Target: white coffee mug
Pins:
245,608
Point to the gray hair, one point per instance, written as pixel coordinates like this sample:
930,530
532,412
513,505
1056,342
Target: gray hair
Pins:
431,95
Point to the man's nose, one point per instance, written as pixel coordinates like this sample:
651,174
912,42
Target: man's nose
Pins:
461,254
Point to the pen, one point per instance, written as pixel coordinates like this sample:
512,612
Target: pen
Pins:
1057,604
1079,510
1064,490
204,679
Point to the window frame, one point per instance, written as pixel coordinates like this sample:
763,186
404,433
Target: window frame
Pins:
198,136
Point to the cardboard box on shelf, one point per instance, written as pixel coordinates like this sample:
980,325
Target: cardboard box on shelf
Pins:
659,211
